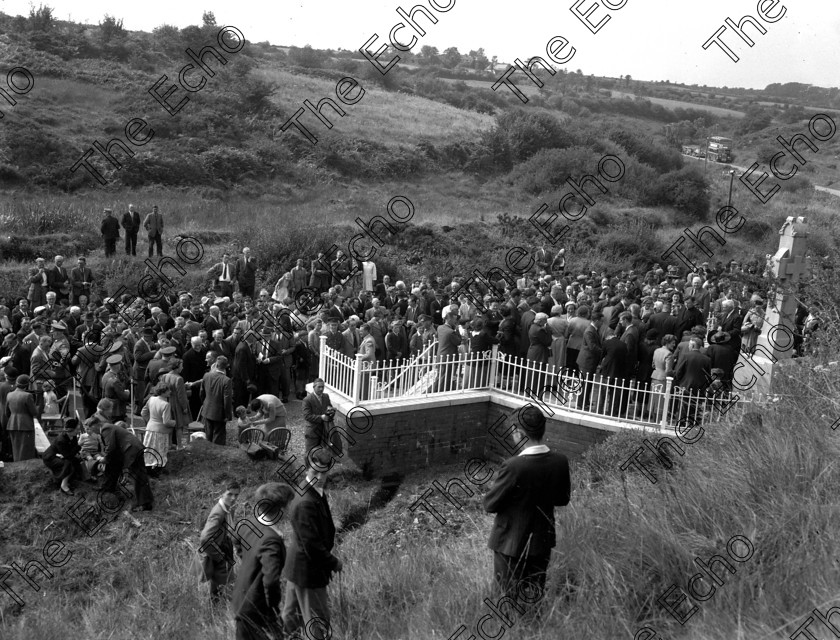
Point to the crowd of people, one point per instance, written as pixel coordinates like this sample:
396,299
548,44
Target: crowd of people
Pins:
185,357
235,351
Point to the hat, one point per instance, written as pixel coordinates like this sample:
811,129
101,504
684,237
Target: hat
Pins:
22,381
571,303
148,331
59,326
168,351
721,337
652,334
116,345
540,317
219,300
114,359
38,310
422,317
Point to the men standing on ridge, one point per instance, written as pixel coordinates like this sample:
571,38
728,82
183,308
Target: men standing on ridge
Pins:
154,226
131,224
110,230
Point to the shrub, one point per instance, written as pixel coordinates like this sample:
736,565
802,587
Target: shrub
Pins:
527,132
549,169
647,151
685,190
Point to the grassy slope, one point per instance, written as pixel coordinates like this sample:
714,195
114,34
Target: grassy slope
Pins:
381,116
621,543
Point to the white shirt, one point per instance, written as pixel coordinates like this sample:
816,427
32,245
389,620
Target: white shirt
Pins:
534,450
225,277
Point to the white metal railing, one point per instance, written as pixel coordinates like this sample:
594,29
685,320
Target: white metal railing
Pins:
427,375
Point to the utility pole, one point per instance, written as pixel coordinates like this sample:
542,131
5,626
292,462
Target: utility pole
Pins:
731,180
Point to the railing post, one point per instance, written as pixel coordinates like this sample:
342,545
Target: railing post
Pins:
357,379
494,366
322,361
669,381
374,384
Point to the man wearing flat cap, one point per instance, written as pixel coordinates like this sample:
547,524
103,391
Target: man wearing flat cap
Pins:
523,497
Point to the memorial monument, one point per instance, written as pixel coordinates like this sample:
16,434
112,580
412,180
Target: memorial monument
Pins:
775,343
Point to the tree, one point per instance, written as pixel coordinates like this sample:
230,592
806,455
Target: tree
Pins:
451,58
429,54
208,19
111,28
479,60
41,19
627,79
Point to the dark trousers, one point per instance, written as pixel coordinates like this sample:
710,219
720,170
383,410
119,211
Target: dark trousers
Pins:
220,579
23,445
521,577
216,431
131,243
247,289
258,629
137,472
110,246
156,241
307,609
285,382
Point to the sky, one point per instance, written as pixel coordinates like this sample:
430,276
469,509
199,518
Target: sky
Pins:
648,39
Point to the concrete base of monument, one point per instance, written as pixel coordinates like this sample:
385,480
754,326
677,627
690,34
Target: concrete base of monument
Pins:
760,375
401,435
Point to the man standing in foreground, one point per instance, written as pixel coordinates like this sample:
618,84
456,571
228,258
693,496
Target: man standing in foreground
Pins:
310,561
110,230
523,498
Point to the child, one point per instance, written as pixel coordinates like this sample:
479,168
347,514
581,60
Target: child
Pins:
92,453
50,399
243,420
216,544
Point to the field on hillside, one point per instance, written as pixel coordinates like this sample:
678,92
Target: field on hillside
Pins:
673,104
381,116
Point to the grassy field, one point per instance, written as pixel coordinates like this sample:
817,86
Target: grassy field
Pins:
673,104
381,116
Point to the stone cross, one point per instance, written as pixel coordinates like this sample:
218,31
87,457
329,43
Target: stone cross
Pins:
789,265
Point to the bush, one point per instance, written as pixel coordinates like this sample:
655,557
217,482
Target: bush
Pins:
528,132
549,169
647,151
685,190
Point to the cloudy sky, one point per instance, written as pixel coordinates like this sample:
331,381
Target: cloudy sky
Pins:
648,39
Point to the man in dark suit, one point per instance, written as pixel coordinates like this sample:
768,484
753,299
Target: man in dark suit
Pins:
614,368
123,450
318,413
81,279
257,593
216,541
154,227
692,372
310,561
245,272
193,372
270,364
663,322
110,230
319,280
589,357
523,498
19,313
144,352
58,279
690,316
730,321
630,337
131,224
244,371
217,398
19,356
447,351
